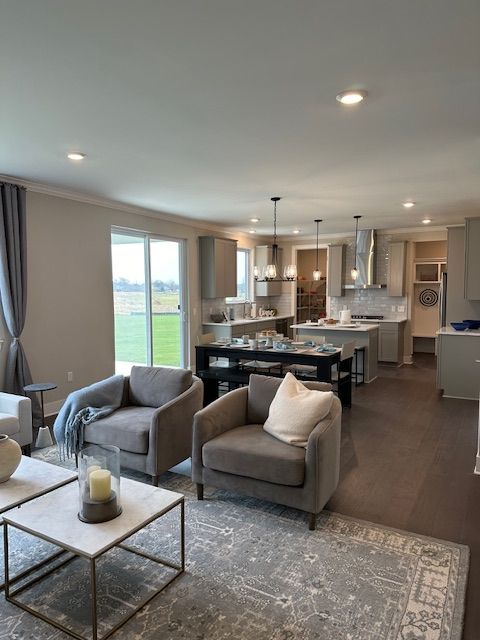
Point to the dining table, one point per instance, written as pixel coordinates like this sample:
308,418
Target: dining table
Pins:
235,373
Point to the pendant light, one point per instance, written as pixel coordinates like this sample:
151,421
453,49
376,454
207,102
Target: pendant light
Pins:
271,271
354,271
317,274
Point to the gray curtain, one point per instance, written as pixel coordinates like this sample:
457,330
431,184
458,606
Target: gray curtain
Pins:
13,283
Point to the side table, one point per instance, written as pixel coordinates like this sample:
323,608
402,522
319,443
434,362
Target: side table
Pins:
44,438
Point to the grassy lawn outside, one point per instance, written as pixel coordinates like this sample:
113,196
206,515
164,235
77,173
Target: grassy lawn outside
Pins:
130,327
130,342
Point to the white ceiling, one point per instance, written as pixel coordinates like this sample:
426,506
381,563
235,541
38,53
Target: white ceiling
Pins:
206,108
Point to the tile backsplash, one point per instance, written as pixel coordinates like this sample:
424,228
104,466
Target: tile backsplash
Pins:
216,305
373,302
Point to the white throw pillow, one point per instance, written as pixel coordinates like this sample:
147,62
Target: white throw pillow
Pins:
295,410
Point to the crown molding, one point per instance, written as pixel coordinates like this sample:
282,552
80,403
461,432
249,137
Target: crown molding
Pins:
86,198
350,234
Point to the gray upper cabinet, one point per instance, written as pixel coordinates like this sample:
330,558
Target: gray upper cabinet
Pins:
472,258
218,267
396,269
263,256
335,270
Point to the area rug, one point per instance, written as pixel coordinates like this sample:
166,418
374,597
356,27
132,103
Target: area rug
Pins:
254,571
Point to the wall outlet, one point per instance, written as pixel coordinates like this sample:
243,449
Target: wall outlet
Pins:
393,308
401,308
69,376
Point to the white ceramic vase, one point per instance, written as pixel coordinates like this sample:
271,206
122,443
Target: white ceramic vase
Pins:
10,456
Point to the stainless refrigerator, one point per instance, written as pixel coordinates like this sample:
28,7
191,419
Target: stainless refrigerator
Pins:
442,300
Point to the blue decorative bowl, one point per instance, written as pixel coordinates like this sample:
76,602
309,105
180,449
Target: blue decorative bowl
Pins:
459,326
472,324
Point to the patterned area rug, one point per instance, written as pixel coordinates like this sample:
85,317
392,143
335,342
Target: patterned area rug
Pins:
254,571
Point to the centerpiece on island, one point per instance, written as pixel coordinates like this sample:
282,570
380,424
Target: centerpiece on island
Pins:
99,483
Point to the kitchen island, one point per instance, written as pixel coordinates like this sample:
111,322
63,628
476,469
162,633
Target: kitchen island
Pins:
364,335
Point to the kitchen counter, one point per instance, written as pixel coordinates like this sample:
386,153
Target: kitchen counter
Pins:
235,323
335,327
365,336
449,331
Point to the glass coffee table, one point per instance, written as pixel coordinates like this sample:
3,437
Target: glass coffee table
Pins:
31,479
54,518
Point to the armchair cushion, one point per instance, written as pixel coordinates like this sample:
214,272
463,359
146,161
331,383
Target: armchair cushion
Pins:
9,425
295,410
251,452
127,428
155,386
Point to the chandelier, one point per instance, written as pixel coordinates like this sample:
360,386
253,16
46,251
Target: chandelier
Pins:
271,272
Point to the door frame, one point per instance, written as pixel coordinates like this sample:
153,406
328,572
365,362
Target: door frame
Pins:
183,284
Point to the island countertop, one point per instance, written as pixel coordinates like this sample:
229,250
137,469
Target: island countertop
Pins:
336,327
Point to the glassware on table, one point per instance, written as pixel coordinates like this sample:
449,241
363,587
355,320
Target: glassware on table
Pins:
99,483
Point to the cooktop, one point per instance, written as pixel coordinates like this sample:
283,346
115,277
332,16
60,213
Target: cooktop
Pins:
360,317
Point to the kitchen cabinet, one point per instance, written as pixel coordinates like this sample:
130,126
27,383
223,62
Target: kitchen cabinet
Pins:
390,342
396,269
472,258
335,270
218,267
458,307
458,364
263,256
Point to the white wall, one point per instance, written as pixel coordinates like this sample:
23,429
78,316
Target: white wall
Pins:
70,325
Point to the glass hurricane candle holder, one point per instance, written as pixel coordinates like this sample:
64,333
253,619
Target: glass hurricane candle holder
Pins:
99,483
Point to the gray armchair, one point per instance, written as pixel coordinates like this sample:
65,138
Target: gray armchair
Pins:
153,426
232,451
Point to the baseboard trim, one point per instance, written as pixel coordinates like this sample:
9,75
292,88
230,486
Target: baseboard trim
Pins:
52,408
477,466
459,398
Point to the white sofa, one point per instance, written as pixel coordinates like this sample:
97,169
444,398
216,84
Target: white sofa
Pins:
16,419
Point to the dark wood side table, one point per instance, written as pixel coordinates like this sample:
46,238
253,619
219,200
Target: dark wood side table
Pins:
45,438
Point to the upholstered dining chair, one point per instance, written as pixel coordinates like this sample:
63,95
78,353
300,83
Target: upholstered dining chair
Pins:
232,451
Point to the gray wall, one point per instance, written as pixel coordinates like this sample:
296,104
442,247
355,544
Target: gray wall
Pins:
69,324
458,308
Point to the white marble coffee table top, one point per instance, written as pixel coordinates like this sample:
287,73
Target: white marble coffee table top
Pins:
54,517
32,478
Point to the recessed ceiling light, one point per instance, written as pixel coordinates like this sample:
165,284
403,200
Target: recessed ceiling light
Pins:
353,96
426,221
76,155
296,231
409,204
254,219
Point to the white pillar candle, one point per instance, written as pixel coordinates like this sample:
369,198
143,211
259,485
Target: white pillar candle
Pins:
100,485
90,469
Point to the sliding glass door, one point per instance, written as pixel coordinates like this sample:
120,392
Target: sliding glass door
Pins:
148,296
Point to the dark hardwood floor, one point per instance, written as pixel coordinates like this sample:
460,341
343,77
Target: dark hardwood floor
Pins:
407,462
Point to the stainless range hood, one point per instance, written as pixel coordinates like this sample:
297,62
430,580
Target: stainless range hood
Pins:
366,261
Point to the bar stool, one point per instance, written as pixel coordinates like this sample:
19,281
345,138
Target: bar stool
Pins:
359,374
